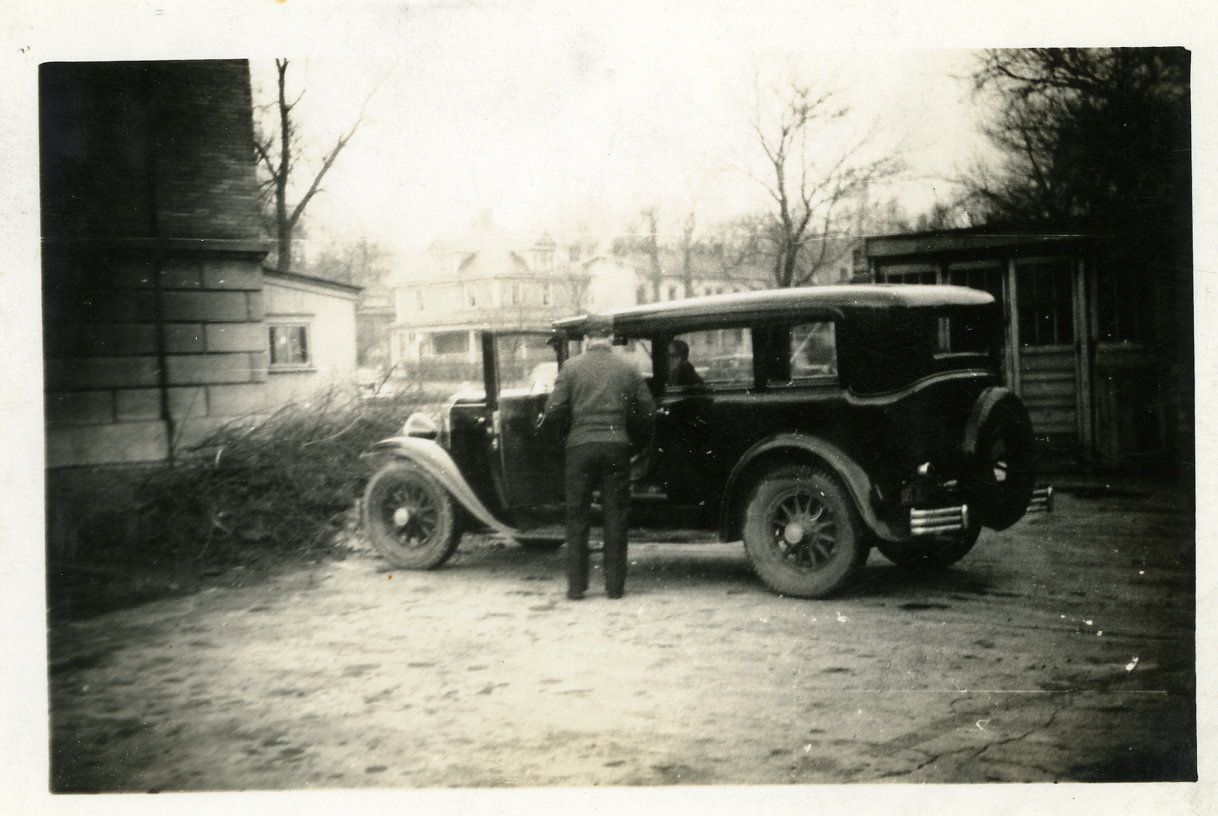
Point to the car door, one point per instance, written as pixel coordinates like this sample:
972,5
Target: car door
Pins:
519,369
690,427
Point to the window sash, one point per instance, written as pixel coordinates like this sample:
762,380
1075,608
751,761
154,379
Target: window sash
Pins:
289,344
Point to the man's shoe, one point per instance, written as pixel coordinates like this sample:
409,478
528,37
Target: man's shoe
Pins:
613,596
574,596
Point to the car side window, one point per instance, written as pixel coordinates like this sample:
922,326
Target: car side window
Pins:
714,358
804,352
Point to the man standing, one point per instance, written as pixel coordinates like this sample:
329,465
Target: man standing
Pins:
604,401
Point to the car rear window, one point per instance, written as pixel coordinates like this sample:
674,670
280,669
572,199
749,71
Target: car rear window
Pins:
890,350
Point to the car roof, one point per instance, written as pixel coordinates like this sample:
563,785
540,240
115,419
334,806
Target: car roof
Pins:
806,302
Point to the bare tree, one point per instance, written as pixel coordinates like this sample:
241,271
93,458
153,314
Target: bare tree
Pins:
1099,135
279,155
688,246
652,244
356,260
808,184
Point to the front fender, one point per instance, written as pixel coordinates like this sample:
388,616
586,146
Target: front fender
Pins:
855,479
437,463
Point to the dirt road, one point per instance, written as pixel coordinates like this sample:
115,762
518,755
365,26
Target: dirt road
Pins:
1059,650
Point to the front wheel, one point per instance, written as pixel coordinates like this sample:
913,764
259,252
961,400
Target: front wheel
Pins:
802,532
930,552
409,517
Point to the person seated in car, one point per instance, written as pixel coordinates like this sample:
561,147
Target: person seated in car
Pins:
681,373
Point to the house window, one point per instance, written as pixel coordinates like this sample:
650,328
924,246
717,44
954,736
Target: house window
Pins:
471,296
515,293
289,345
418,300
543,259
672,293
640,295
545,294
450,342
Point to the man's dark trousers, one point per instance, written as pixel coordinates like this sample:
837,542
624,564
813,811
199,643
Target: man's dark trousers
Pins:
606,464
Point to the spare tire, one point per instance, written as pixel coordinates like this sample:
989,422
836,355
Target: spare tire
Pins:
999,459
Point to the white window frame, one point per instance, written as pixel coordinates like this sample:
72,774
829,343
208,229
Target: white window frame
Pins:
307,364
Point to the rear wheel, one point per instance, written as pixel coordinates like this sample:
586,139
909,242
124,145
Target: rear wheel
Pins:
409,517
802,532
929,552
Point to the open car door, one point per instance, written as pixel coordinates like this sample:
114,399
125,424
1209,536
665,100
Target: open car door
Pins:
519,368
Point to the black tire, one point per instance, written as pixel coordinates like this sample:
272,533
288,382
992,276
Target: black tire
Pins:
1000,459
409,517
929,552
802,532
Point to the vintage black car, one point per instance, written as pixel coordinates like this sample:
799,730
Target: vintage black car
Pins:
827,420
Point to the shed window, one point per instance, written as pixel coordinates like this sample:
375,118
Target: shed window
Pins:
1125,304
289,345
909,274
1045,304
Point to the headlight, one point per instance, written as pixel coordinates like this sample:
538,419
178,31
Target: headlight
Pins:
420,425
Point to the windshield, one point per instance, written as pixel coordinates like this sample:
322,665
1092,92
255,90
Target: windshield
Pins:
526,362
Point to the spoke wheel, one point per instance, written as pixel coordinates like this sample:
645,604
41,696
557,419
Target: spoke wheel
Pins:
409,517
929,552
802,533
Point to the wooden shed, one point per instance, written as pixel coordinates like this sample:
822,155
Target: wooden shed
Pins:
1097,342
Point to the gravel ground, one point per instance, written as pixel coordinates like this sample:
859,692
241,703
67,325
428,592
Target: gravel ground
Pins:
1059,650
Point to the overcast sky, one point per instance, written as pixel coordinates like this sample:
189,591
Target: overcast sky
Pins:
546,117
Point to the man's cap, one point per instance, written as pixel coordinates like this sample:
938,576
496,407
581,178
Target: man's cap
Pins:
598,326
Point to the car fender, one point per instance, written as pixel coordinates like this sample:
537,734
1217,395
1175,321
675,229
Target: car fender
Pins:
436,462
852,475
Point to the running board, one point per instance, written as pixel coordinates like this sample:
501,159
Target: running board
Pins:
938,520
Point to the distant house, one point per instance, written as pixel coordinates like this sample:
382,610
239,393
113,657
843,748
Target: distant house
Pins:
374,317
160,325
489,278
1098,345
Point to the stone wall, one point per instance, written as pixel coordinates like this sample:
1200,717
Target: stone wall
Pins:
152,244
